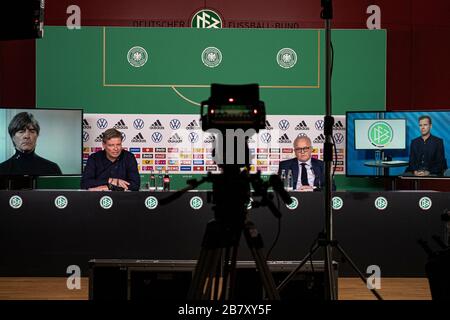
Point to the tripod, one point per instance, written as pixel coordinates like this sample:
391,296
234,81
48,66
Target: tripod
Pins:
325,238
215,273
217,262
229,111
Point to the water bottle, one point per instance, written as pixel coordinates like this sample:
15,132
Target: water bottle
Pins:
159,182
152,182
283,178
290,181
166,182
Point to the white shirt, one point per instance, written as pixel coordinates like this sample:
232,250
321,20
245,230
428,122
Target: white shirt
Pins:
311,175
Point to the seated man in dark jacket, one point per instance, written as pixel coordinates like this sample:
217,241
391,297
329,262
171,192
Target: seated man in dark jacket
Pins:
427,155
112,168
308,173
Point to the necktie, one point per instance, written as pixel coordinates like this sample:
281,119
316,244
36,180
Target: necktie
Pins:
304,175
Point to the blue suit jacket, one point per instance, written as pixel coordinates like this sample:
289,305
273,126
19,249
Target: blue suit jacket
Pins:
317,167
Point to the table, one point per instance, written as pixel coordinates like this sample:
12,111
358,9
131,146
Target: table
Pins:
43,232
385,165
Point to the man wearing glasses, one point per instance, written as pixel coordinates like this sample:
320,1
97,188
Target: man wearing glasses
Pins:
307,172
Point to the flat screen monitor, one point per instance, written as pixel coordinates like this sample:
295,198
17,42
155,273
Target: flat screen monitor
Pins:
380,143
40,142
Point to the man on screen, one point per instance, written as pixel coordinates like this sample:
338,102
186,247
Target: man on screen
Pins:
308,173
427,155
112,168
24,131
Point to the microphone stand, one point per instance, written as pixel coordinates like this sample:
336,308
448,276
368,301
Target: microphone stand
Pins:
325,238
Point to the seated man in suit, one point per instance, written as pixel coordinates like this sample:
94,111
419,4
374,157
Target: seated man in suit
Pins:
308,173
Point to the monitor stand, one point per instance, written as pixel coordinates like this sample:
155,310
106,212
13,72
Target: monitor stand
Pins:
18,182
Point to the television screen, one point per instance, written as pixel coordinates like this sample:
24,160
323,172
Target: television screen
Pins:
40,142
396,143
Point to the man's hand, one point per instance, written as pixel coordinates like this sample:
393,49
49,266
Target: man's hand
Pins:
119,183
305,188
421,173
99,188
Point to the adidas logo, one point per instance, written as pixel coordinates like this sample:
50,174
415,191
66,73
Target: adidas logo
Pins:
302,126
251,140
156,125
193,125
268,126
120,125
284,139
210,139
99,138
175,139
86,124
320,139
139,138
338,126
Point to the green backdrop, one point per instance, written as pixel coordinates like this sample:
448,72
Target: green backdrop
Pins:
88,68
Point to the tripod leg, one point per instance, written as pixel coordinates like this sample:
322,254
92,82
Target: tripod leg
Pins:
216,277
302,263
255,244
361,275
229,279
330,277
204,274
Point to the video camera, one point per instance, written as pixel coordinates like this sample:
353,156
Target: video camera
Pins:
233,107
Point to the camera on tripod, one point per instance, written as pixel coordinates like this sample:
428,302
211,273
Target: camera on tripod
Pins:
233,107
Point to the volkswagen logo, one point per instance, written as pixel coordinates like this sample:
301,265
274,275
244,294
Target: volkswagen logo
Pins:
157,137
338,138
319,124
175,124
266,137
85,136
102,123
138,124
283,124
193,137
124,136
